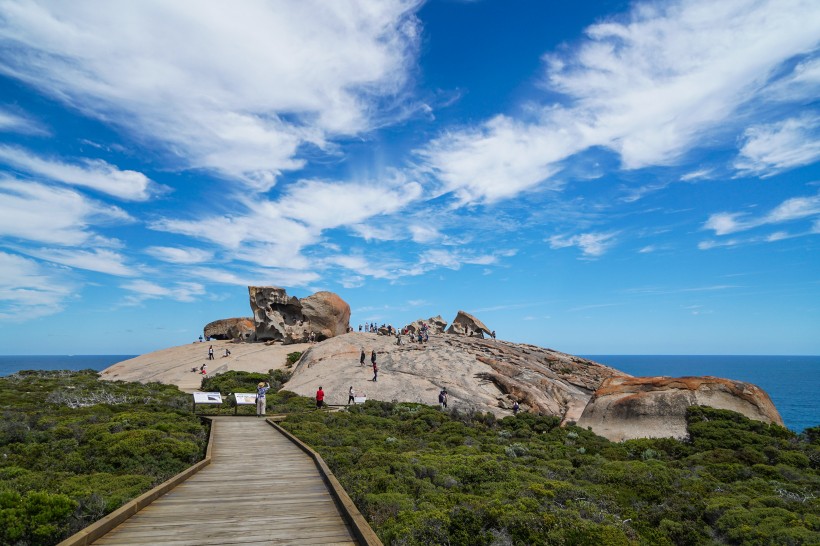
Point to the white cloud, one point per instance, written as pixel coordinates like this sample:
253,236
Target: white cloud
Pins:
500,159
13,122
178,255
236,89
92,173
179,291
591,244
45,214
274,233
796,208
255,277
770,149
100,260
648,87
30,290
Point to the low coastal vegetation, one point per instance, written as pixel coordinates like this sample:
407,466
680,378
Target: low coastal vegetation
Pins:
423,476
74,448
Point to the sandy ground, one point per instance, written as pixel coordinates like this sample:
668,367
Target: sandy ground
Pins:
173,365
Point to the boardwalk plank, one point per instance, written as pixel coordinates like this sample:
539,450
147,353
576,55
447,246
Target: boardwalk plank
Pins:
259,489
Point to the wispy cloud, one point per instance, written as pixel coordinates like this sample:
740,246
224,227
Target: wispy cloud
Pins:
591,244
770,149
223,102
99,259
94,174
796,208
30,290
46,214
647,86
17,123
179,255
180,291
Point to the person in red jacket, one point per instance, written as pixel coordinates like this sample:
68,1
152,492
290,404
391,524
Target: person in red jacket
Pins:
320,397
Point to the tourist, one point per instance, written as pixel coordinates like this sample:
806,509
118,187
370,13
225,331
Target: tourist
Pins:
515,407
261,389
351,396
203,369
227,353
375,371
442,399
211,352
320,398
398,337
361,358
373,357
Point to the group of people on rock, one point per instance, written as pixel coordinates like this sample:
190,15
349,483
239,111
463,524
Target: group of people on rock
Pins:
362,356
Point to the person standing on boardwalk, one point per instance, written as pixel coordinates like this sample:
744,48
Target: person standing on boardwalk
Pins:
261,389
361,358
211,352
320,398
351,396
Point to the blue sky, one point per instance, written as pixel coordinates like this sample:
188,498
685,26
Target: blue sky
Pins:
597,177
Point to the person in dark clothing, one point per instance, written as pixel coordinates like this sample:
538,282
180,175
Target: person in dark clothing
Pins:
361,358
373,357
351,396
375,371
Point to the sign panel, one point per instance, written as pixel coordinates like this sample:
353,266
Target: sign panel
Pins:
359,399
245,398
207,398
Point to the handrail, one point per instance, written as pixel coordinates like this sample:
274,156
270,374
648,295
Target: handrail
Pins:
361,529
103,526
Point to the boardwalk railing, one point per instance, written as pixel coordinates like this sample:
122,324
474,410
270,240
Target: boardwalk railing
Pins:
362,531
103,526
286,514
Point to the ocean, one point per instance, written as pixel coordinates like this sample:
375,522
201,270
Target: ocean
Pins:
15,363
793,382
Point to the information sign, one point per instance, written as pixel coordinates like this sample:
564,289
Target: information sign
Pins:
207,398
245,398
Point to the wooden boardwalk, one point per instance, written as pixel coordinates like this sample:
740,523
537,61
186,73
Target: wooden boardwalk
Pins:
259,489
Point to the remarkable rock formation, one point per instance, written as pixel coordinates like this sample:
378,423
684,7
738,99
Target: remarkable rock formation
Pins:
655,407
278,317
435,324
466,324
232,328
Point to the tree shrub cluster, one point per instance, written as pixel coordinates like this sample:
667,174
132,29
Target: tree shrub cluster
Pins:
237,381
422,476
74,448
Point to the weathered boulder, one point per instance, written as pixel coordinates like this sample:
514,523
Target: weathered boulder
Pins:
466,324
232,328
435,324
624,408
328,315
278,317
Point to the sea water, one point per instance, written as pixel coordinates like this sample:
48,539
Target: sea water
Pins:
792,382
15,363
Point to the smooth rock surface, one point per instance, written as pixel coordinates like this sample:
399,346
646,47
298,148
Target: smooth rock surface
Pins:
655,407
436,325
477,373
